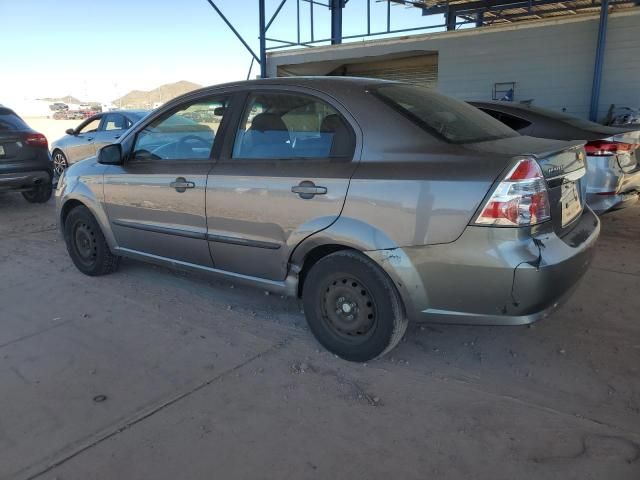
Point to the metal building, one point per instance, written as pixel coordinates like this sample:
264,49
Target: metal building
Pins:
579,56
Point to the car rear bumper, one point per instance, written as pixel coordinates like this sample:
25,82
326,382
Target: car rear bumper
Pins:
491,276
608,187
23,181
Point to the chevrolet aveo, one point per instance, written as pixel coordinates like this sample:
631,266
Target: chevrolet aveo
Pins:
378,203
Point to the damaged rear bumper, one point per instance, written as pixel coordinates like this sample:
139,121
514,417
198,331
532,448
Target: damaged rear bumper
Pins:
492,276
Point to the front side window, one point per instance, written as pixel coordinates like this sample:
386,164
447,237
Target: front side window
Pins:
188,133
90,127
453,120
289,126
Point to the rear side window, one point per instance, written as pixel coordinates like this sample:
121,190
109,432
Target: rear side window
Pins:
9,121
289,126
450,119
510,121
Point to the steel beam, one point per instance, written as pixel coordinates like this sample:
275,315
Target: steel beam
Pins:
450,18
597,69
263,38
246,45
336,21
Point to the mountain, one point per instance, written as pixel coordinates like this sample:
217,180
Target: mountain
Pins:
146,99
68,99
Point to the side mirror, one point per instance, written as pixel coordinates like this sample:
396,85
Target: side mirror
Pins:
219,111
110,154
70,131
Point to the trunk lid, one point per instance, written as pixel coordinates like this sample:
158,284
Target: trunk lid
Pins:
12,146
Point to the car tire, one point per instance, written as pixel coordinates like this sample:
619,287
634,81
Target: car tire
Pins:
352,307
40,194
86,244
60,163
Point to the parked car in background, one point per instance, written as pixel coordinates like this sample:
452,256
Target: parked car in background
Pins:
95,132
377,202
25,163
613,172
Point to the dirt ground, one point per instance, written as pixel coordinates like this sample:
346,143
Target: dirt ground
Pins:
155,374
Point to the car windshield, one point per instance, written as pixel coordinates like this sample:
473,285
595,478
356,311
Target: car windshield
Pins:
569,119
451,119
9,121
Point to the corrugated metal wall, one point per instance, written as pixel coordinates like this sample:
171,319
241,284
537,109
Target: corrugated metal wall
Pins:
418,70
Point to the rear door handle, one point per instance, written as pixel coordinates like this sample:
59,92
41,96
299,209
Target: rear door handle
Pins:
308,189
181,184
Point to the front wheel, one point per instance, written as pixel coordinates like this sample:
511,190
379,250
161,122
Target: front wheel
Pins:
352,307
60,163
86,244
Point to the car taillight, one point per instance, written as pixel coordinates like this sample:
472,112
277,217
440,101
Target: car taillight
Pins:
36,140
606,148
521,199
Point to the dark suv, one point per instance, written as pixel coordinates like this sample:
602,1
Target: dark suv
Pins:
25,162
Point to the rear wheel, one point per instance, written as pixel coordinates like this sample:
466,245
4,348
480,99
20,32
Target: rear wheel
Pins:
60,163
40,194
86,244
352,307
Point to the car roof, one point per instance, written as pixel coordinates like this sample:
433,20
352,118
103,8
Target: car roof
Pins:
326,84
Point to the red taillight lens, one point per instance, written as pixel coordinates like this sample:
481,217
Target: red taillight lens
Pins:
36,140
605,148
520,199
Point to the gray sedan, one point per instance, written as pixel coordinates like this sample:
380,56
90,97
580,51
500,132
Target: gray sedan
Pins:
613,171
378,203
92,134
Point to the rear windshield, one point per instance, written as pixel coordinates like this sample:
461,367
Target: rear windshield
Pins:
9,121
451,119
571,120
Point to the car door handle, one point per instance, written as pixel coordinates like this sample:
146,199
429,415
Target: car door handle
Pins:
308,189
181,184
117,137
89,139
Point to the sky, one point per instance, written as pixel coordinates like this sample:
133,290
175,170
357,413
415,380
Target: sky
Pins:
98,50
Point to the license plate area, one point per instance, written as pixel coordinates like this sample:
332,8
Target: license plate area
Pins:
571,202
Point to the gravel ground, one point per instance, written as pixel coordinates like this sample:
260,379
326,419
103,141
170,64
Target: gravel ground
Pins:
150,373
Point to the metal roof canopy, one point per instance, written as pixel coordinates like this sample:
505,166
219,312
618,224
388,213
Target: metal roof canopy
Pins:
456,13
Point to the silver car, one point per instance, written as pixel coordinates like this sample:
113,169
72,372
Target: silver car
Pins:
378,203
92,134
613,170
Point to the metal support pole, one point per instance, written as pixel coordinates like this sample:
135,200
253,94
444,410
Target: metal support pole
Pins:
597,70
450,18
479,19
298,18
388,15
336,21
311,19
263,39
369,17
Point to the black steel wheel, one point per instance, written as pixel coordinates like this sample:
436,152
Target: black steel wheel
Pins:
86,244
352,306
